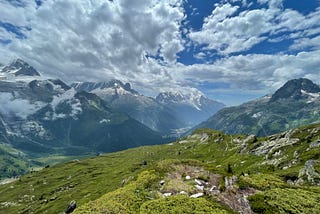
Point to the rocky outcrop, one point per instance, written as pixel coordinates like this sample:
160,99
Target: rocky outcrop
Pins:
269,147
308,174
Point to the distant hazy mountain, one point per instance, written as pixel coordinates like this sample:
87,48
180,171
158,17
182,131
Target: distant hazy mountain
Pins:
192,107
170,113
43,115
296,103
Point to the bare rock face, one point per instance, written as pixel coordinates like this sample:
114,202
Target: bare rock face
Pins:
274,144
314,144
308,174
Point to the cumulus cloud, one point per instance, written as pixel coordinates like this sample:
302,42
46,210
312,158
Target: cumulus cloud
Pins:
303,43
255,72
83,40
228,33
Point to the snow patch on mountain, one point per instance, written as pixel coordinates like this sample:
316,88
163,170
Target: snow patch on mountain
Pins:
115,90
69,98
258,114
312,96
106,121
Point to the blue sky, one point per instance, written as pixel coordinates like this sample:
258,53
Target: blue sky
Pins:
230,50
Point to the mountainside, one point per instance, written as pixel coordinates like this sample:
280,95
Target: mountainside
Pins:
144,109
294,104
192,107
206,172
43,116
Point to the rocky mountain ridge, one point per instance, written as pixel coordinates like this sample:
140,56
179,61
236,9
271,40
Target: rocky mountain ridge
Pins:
170,113
295,104
296,89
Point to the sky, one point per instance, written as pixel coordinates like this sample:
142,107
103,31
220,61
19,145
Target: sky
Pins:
233,51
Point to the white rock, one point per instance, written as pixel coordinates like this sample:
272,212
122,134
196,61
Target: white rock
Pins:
197,195
198,182
213,188
199,187
167,194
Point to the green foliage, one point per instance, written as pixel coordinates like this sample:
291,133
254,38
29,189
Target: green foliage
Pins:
136,198
181,204
13,162
123,200
260,181
286,201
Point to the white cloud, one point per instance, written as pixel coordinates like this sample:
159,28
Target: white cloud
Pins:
304,43
10,106
90,40
17,15
256,72
5,35
228,33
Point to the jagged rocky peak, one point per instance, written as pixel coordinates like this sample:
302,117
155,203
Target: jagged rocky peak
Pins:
295,89
112,84
49,85
20,68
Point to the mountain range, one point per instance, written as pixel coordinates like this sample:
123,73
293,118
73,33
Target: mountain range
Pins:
42,117
170,113
295,104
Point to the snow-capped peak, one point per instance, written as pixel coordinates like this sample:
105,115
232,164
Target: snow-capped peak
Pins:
113,87
191,97
19,68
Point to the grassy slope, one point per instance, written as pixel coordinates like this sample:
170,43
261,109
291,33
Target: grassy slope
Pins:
93,180
13,162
